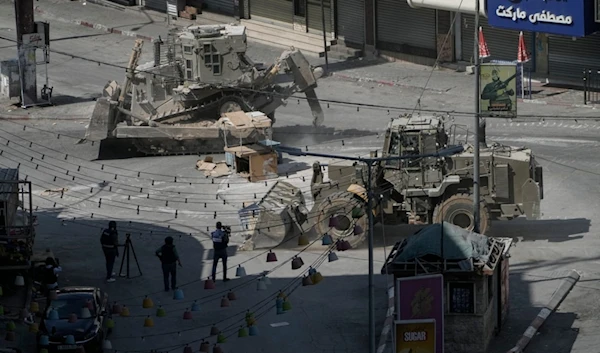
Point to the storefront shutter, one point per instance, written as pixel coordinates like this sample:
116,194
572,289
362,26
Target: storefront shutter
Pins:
158,5
315,21
279,10
567,58
351,22
403,29
220,6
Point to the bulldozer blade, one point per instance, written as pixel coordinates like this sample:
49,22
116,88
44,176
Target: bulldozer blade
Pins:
98,126
274,217
315,107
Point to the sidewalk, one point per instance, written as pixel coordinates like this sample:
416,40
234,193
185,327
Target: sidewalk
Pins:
149,24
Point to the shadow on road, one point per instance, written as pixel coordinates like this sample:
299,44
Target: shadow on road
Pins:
553,230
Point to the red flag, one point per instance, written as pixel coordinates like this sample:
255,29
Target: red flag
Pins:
484,52
522,55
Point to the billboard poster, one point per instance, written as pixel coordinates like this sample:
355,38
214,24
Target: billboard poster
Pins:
422,297
415,336
498,84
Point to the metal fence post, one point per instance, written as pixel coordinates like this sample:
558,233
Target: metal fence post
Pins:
584,87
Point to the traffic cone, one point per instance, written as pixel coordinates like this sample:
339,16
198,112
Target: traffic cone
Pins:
10,326
306,281
221,338
161,312
303,240
240,271
253,330
204,347
72,318
327,240
195,306
10,336
147,303
148,322
187,315
231,296
214,331
217,349
261,285
116,308
34,328
271,257
332,256
243,332
317,277
297,263
125,311
178,294
209,284
53,315
34,307
106,345
287,306
187,349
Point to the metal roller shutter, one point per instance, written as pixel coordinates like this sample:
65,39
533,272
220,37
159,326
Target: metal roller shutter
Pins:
351,21
314,19
502,43
403,29
158,5
220,6
568,58
279,10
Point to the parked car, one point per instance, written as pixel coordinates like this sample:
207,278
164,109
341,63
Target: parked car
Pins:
87,330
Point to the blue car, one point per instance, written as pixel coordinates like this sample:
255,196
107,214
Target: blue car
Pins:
79,312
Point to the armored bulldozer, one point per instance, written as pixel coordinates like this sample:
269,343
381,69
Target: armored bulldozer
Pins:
172,105
426,190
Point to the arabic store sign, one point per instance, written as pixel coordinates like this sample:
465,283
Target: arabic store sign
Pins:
562,17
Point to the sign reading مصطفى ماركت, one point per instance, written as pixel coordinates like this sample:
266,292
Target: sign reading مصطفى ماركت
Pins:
415,336
562,17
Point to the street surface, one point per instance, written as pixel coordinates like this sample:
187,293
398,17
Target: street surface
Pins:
332,316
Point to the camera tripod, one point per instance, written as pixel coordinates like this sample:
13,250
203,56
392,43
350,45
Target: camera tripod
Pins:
128,248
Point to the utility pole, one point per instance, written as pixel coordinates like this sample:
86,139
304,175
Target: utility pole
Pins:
27,63
325,35
476,197
370,162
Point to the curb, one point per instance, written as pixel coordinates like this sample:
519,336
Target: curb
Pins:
557,298
97,26
389,322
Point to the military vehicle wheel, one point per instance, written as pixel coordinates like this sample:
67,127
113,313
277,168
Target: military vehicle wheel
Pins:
458,210
339,206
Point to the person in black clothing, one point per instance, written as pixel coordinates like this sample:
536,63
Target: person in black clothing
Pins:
169,258
51,271
220,239
110,243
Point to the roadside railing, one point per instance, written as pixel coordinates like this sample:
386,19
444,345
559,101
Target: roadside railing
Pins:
591,86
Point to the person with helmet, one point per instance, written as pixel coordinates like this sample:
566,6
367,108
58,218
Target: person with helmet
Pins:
169,259
220,239
110,243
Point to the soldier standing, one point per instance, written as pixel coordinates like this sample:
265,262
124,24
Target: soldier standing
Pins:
220,239
110,243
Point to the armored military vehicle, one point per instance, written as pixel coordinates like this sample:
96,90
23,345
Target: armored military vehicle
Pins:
426,190
171,105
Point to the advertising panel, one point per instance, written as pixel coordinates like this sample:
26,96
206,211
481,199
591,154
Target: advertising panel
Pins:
415,336
498,84
566,18
422,297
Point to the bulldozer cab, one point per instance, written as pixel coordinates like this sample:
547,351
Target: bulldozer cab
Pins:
206,48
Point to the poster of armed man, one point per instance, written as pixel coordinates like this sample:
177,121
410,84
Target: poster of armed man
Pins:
498,84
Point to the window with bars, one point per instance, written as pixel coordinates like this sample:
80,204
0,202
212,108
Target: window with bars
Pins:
212,59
